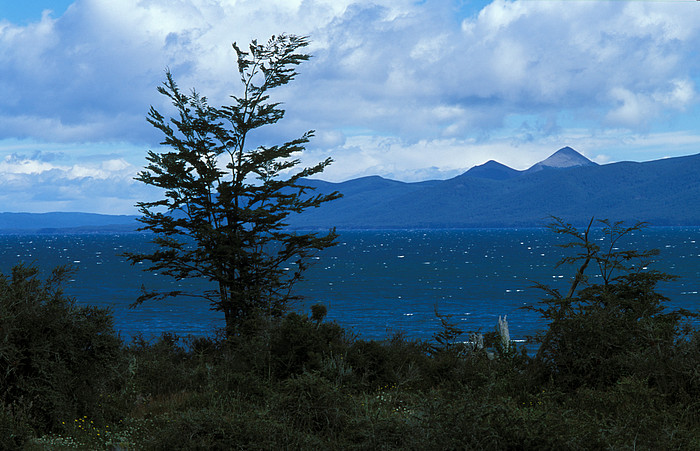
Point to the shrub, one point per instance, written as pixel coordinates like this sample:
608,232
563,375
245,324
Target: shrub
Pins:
300,344
310,403
14,430
162,367
56,358
609,330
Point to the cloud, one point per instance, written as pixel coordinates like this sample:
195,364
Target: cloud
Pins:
423,77
391,67
414,161
395,86
101,183
640,108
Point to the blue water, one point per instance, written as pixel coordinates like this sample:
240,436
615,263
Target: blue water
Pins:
374,282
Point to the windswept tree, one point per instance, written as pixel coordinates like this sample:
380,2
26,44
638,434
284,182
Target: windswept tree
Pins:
225,207
618,326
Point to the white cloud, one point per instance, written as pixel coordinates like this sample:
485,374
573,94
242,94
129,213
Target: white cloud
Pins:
33,180
680,95
514,58
637,109
633,108
395,86
364,155
14,165
387,66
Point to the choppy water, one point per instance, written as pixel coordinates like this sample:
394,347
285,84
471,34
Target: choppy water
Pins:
375,282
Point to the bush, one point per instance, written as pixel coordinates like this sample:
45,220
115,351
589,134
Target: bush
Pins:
300,344
610,330
162,367
56,358
310,403
14,430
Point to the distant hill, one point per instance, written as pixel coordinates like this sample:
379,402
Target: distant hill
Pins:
59,222
563,158
492,170
661,192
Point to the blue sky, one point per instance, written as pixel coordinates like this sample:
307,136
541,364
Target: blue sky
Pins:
403,89
27,11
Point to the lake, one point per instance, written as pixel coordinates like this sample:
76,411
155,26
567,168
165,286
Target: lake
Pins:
373,282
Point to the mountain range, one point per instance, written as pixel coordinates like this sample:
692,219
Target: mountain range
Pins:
65,222
662,192
567,184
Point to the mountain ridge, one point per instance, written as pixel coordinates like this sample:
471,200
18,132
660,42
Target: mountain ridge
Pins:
493,170
661,192
65,222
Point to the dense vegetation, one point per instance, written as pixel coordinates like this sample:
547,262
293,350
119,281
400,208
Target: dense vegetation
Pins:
615,370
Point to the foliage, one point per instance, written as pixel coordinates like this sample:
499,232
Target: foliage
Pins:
216,393
57,359
446,338
300,344
227,224
601,333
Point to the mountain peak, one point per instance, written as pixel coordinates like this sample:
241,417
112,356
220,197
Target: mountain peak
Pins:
492,170
566,157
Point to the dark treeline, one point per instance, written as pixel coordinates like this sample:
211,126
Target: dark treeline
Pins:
615,369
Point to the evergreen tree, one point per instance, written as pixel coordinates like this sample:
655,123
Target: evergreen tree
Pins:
223,216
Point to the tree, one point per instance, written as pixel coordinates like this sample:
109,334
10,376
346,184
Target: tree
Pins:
223,216
605,331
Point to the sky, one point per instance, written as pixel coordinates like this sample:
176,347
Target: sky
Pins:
408,90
